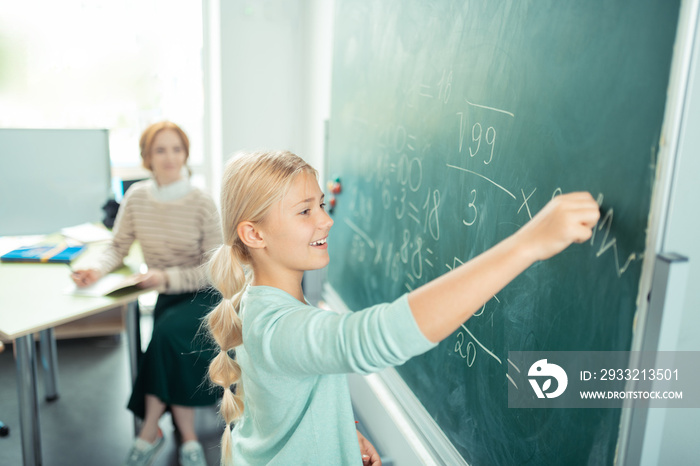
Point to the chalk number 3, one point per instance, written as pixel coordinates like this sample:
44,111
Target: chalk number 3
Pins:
472,207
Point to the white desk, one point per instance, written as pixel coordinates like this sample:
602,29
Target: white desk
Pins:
33,300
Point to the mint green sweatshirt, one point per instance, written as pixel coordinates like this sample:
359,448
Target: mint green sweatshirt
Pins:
294,359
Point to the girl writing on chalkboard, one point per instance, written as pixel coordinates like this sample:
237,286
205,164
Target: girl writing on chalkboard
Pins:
292,403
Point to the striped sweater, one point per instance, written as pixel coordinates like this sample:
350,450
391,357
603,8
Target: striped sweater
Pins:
175,236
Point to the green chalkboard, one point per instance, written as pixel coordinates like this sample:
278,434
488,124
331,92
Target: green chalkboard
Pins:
452,123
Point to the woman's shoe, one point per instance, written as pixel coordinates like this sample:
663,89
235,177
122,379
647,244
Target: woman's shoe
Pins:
192,454
143,453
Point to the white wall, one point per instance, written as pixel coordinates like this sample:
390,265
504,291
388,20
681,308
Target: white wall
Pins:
275,73
319,57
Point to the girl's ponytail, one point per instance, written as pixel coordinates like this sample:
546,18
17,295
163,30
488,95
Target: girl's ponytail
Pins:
228,276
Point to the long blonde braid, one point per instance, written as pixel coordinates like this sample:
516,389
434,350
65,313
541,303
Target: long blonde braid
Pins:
252,183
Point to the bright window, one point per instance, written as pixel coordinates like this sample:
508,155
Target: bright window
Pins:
119,65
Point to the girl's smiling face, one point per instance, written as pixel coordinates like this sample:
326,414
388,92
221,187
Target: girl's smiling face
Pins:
296,228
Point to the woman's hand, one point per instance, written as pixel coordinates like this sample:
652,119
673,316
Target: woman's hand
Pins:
370,457
568,218
85,277
155,278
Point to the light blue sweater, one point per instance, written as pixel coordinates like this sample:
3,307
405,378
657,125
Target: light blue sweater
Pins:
294,359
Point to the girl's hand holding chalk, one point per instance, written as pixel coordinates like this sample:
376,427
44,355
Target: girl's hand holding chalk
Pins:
566,219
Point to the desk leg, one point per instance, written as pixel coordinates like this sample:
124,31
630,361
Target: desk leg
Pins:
28,404
49,362
132,334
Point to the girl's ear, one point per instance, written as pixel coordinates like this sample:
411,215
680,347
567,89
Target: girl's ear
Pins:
249,235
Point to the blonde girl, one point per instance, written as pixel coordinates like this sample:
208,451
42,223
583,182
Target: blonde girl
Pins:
292,404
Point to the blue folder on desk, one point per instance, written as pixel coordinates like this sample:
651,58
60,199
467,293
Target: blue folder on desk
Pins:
45,253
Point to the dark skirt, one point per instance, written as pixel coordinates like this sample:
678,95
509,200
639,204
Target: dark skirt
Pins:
174,367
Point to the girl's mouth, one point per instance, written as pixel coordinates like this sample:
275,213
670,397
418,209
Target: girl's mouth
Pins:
320,242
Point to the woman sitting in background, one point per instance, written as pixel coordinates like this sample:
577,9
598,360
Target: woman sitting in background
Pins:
176,225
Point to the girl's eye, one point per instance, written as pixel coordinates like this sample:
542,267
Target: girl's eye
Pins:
323,205
305,211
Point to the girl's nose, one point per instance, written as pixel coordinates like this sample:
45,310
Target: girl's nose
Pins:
326,220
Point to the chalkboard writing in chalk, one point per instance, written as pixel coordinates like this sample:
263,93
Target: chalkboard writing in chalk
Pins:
452,124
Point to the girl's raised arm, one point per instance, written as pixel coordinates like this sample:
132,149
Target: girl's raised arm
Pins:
445,303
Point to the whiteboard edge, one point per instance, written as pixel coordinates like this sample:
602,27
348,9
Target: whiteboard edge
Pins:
661,195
